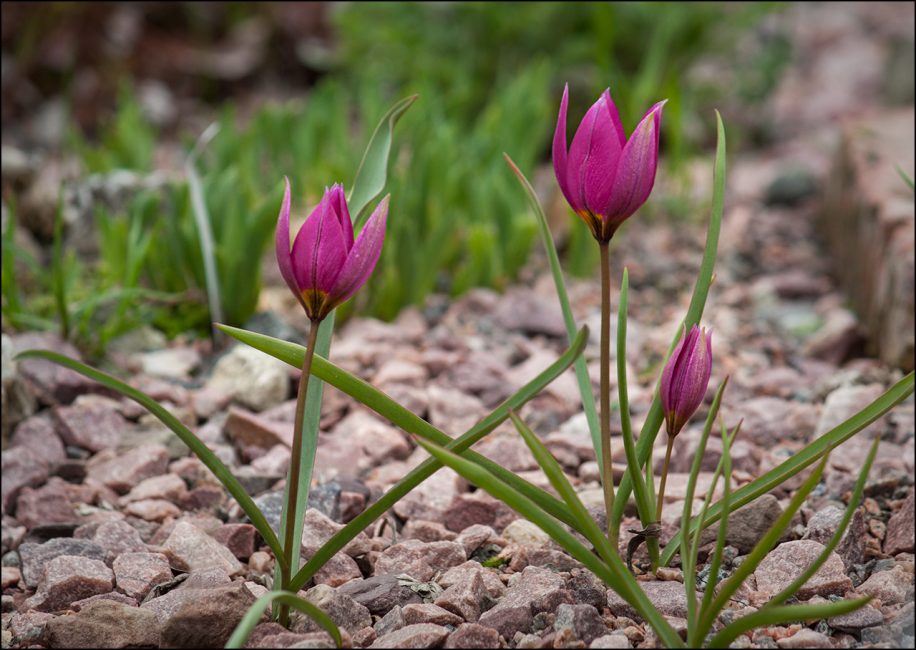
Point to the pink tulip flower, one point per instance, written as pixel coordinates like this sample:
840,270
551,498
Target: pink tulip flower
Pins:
685,378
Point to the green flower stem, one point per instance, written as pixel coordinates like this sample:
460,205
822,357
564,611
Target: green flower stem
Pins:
664,480
607,472
290,544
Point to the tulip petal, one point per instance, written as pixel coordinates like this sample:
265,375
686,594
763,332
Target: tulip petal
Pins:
319,250
559,147
338,200
607,142
284,258
594,152
363,256
635,174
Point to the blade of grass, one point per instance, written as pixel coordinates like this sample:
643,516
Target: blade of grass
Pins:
808,455
428,467
204,228
206,456
58,273
687,567
654,418
753,559
253,616
781,616
725,467
410,422
582,378
373,169
528,509
644,506
716,563
854,500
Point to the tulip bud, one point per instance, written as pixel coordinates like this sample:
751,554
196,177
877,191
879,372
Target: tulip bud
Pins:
326,267
605,177
685,378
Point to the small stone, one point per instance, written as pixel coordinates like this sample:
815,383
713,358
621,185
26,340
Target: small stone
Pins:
393,620
805,638
238,538
426,531
68,578
152,509
34,557
343,610
420,560
137,573
668,598
857,620
170,363
379,594
901,528
532,590
587,588
94,425
787,561
10,577
167,486
364,637
584,620
53,383
430,499
260,562
429,613
339,570
117,537
274,463
122,472
465,572
525,533
207,618
206,579
471,635
467,598
424,635
189,548
318,528
253,378
22,467
748,524
249,430
104,624
616,640
473,537
113,596
890,587
49,504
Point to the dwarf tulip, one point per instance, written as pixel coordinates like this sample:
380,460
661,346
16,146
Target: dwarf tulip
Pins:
604,176
326,267
685,378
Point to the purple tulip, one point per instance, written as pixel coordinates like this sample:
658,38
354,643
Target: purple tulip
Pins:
326,267
604,176
685,378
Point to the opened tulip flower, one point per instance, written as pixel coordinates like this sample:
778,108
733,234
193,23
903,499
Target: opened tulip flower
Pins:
326,266
604,176
683,386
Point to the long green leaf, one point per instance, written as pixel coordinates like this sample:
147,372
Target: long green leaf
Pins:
373,169
582,378
759,552
792,466
376,400
253,616
388,408
194,443
781,616
854,500
528,509
688,560
694,312
644,505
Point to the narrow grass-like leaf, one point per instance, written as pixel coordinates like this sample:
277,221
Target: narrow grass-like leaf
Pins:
808,455
781,616
725,468
428,467
627,589
644,504
204,228
253,616
854,500
582,378
687,560
373,169
906,177
58,271
376,400
554,473
655,417
206,456
759,552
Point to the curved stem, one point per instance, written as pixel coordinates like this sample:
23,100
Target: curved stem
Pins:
661,486
607,473
290,545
